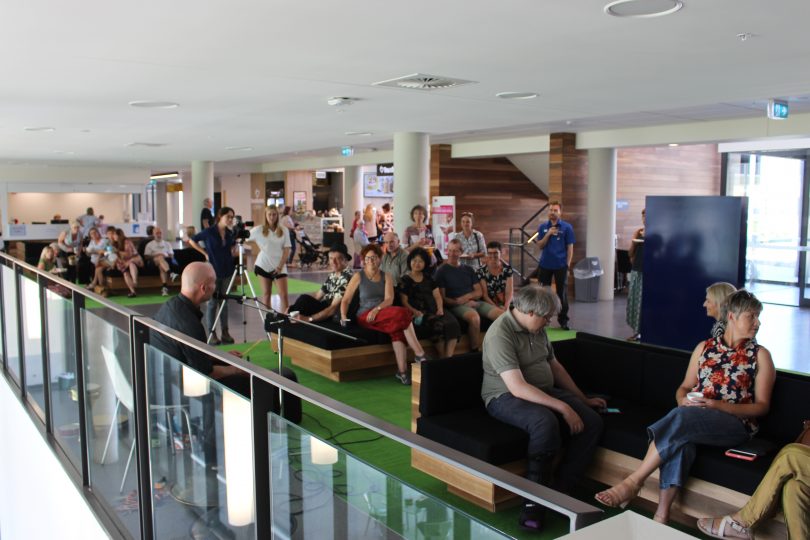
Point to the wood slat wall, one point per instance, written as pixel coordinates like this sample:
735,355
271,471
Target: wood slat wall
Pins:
493,189
661,170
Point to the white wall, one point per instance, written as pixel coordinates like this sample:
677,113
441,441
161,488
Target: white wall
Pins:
37,498
28,207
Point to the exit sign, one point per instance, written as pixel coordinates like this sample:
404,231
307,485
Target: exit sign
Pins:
347,151
777,109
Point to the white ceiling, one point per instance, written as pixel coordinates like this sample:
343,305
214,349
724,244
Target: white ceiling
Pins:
258,73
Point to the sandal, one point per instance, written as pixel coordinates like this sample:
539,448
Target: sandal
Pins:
620,495
727,525
531,517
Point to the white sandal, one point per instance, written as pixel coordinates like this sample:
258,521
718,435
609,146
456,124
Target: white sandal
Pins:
742,532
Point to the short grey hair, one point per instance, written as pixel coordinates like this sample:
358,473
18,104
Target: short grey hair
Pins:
534,298
741,302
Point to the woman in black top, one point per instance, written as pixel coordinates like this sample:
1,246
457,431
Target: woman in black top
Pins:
636,253
420,294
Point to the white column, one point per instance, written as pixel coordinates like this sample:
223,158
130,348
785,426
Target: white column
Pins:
352,200
602,214
202,186
411,176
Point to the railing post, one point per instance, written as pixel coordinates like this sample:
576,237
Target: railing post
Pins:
138,336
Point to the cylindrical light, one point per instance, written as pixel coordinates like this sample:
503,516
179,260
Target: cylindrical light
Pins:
322,453
195,384
238,459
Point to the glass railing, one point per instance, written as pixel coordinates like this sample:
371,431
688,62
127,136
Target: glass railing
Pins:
161,449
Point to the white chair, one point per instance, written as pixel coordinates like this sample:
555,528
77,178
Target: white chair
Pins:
124,396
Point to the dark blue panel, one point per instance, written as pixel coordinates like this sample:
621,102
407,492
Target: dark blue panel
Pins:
691,242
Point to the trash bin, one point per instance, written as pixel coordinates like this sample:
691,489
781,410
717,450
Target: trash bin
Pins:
586,279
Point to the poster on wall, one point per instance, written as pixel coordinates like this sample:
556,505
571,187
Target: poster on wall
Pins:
381,183
443,221
299,202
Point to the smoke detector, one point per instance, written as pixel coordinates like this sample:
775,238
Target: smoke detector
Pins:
340,101
423,81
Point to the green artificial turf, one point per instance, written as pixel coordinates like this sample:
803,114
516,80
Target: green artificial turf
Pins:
388,399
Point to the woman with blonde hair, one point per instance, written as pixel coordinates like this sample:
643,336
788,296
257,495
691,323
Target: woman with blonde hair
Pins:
273,242
127,261
716,294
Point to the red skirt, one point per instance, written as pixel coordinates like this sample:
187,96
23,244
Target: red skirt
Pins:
391,320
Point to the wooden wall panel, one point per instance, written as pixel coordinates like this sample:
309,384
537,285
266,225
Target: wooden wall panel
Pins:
661,170
493,189
568,183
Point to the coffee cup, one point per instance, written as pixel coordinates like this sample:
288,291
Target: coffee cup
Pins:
694,396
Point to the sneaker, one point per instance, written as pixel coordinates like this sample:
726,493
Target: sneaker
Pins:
214,340
164,291
226,338
564,326
420,359
404,378
173,276
131,295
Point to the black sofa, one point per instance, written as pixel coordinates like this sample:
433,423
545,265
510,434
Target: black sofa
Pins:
641,380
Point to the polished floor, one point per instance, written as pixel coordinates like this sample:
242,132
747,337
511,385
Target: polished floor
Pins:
785,330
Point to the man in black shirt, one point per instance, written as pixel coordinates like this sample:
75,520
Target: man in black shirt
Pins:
206,216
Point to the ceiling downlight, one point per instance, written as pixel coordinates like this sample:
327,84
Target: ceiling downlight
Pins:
146,104
643,9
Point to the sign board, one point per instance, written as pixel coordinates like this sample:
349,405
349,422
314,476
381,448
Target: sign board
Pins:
443,221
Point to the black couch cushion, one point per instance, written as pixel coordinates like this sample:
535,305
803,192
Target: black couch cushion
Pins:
790,406
474,432
602,368
451,384
329,341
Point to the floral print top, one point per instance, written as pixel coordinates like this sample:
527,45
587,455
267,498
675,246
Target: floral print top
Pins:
495,284
728,374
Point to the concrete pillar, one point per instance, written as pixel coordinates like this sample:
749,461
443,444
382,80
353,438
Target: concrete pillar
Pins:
352,200
601,227
161,204
202,186
411,176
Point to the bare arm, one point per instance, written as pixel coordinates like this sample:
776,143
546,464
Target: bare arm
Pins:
541,242
485,293
570,255
404,299
198,247
285,255
439,302
564,380
329,311
346,301
519,388
634,246
476,292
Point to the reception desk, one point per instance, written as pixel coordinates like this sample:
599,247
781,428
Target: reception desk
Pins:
27,231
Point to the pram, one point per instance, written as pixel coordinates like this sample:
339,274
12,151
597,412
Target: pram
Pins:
311,253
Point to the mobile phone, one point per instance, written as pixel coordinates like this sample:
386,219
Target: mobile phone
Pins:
741,454
611,410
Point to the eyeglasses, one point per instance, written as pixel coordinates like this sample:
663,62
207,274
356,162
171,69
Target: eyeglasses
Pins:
371,258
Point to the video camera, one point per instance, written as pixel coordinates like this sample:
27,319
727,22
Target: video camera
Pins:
241,229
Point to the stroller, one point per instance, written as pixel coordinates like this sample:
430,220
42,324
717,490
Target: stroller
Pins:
311,253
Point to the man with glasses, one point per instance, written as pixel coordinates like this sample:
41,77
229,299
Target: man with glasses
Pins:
395,260
556,239
526,386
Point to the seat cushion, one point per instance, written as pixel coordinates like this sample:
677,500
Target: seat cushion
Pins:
329,341
474,432
451,384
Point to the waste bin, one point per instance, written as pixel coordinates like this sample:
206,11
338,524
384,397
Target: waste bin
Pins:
586,279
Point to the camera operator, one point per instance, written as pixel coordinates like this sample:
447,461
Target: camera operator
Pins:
219,248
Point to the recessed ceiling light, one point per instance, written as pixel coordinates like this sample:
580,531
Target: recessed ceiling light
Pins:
154,104
744,36
239,148
673,144
340,101
643,9
516,95
40,128
359,133
146,144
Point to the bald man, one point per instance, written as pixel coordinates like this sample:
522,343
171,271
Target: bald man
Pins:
182,313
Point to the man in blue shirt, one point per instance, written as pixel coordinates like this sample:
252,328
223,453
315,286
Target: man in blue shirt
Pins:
556,239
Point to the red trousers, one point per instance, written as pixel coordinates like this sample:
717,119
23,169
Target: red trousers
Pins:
392,320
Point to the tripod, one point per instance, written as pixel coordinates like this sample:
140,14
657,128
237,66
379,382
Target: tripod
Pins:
238,271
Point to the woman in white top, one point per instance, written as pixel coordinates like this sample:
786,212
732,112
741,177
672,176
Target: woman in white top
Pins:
273,241
97,248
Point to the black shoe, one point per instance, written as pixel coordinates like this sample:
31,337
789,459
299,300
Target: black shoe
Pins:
214,340
226,338
531,517
131,295
564,326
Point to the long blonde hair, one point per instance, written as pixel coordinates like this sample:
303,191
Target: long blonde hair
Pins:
266,228
718,292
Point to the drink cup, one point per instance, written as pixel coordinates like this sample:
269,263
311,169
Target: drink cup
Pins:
694,396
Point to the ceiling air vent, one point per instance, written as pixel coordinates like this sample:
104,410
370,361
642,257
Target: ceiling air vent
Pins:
421,81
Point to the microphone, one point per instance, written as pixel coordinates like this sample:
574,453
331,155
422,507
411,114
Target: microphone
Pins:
535,235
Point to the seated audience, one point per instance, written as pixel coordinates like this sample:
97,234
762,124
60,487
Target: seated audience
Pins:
473,244
735,376
127,260
785,485
326,302
97,249
716,293
67,248
395,260
160,253
377,312
461,293
420,294
525,386
497,284
47,260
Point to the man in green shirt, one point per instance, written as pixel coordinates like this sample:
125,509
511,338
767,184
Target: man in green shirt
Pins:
525,386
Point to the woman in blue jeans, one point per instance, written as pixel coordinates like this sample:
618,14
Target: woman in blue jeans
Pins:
735,376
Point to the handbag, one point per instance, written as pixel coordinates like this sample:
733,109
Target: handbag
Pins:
804,436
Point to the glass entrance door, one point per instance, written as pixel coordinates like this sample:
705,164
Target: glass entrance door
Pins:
777,191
